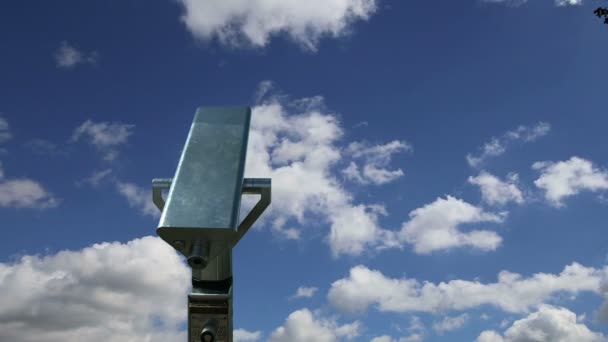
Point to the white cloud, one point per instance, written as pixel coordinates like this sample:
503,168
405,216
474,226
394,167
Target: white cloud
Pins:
435,226
24,193
297,144
377,154
527,133
379,175
68,56
602,313
450,323
416,332
581,318
242,335
354,227
489,336
511,292
375,158
416,325
516,3
498,146
264,89
138,198
105,136
305,292
349,330
511,3
410,338
353,173
549,323
5,133
561,3
303,326
416,337
495,191
567,178
247,22
96,177
45,147
106,292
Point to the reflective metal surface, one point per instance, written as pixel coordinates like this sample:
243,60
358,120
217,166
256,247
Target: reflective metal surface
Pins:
200,216
205,195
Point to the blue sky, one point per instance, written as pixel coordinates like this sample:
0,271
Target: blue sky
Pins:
439,168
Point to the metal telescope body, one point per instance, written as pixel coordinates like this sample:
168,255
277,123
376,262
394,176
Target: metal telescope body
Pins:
200,217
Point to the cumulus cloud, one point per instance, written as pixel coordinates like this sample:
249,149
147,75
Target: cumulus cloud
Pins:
349,330
416,332
602,313
5,133
386,338
68,56
298,145
375,159
495,191
242,335
132,291
549,323
511,292
24,193
105,136
489,336
303,326
498,146
435,226
568,178
253,23
305,292
138,198
450,323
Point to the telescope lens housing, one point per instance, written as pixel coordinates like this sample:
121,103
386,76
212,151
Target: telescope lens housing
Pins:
209,331
199,255
207,337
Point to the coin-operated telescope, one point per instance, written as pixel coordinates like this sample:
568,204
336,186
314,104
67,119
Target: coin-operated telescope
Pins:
200,217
